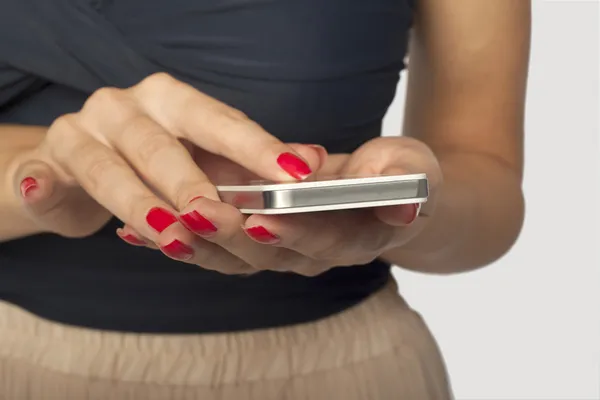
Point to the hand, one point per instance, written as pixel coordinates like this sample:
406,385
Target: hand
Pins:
125,154
312,243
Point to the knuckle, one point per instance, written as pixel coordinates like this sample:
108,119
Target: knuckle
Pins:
103,97
136,206
62,136
106,110
155,86
312,270
231,236
364,259
333,247
101,171
272,260
233,114
230,120
238,267
187,189
151,139
224,123
377,240
207,258
157,80
263,263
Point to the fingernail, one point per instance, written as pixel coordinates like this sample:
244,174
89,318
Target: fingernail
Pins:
28,185
322,153
198,224
178,250
409,213
294,166
194,199
262,235
160,219
129,238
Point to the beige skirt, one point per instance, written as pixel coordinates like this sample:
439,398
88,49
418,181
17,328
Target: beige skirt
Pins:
379,350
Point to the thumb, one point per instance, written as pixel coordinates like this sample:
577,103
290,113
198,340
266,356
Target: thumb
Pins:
38,186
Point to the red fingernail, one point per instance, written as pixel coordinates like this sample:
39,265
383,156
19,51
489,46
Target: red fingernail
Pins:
409,213
178,250
195,198
197,223
262,235
322,153
294,165
129,238
160,219
27,185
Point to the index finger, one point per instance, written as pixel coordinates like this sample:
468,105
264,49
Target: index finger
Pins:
220,129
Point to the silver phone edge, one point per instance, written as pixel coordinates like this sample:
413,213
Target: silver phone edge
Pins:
332,207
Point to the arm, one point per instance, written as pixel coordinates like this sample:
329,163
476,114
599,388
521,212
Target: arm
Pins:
15,141
467,72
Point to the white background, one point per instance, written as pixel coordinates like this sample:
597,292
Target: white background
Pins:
528,327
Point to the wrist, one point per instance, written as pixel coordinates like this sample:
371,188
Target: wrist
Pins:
477,218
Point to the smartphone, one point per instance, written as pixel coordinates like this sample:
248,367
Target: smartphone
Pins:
326,195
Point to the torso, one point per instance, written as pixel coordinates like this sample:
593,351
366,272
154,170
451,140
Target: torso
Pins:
306,70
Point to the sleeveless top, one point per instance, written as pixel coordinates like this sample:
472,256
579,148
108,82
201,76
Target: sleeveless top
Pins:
309,71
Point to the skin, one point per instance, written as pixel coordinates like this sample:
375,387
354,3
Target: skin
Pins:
463,127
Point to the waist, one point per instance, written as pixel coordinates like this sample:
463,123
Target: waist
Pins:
103,284
199,359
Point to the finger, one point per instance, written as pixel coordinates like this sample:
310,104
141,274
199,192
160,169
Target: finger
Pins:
379,155
134,238
38,186
219,128
182,245
221,224
55,204
315,154
349,237
159,158
401,215
107,178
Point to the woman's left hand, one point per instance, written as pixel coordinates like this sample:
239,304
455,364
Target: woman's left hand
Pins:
312,243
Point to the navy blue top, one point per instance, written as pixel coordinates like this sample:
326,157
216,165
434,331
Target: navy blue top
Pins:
310,71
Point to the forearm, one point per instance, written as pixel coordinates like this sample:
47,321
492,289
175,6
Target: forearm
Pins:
14,142
478,217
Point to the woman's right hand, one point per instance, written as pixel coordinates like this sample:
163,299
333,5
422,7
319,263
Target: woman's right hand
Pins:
123,155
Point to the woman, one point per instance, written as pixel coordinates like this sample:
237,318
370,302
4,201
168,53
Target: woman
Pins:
122,116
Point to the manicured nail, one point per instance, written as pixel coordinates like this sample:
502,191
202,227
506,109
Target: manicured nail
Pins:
294,166
322,153
28,185
160,219
262,235
198,224
195,198
129,238
178,250
410,213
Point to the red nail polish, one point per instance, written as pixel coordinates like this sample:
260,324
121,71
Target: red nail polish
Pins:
129,238
197,223
160,219
27,185
195,198
178,250
294,165
410,212
262,235
322,151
